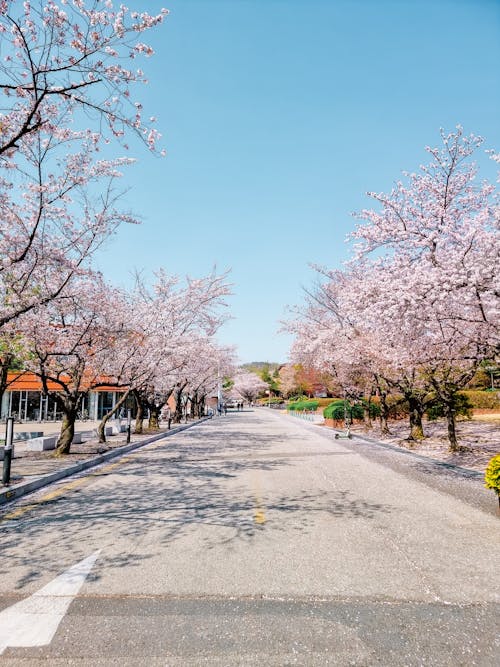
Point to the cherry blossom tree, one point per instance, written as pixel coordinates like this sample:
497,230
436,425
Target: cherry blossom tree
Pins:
418,306
248,385
438,276
71,343
68,58
65,93
177,319
288,380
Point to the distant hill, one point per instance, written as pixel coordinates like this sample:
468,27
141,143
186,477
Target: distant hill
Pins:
259,366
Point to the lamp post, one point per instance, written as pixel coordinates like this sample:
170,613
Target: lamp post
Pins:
491,370
219,390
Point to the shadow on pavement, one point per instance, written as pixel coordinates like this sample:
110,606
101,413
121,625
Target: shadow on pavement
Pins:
168,497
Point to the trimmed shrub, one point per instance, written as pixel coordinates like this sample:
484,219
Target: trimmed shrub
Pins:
275,400
492,475
482,399
303,406
336,410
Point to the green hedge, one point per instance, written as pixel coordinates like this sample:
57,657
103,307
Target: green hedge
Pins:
275,400
482,399
303,406
354,410
336,410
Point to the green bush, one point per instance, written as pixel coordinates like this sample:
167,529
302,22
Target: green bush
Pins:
482,399
336,410
275,400
492,475
436,409
374,408
303,406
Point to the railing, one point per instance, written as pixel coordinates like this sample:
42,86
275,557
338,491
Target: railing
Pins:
306,415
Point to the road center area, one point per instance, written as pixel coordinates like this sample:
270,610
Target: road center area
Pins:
259,537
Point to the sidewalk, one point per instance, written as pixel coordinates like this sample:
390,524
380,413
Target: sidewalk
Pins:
33,470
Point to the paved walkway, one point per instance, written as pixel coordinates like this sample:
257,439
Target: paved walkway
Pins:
31,470
253,539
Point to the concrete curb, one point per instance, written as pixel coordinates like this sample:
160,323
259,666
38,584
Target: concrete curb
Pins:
19,490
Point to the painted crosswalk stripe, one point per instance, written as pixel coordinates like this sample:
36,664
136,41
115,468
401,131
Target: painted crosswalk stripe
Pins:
34,621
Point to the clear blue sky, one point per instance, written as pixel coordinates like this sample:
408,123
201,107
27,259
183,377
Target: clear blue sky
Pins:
277,116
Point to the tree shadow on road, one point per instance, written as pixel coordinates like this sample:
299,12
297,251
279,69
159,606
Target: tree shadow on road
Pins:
170,498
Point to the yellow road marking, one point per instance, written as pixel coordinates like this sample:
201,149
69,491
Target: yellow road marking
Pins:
15,514
259,517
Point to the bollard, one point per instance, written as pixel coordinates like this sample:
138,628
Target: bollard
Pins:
7,455
169,423
129,422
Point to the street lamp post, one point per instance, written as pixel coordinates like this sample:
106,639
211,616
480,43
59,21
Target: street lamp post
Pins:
219,390
491,371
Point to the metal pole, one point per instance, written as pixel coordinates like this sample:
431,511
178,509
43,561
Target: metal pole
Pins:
8,451
219,391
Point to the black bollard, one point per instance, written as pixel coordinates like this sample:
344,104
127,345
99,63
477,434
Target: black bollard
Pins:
129,423
7,452
169,423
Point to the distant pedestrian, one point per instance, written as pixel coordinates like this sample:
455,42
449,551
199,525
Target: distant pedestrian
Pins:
225,408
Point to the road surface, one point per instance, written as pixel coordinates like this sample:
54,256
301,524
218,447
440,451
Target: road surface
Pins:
253,539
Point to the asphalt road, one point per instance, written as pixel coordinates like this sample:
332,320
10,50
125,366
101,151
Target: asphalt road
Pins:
253,540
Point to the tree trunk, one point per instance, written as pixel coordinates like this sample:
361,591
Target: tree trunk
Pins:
69,410
101,428
367,420
416,414
154,417
178,404
384,413
201,407
194,405
452,434
139,417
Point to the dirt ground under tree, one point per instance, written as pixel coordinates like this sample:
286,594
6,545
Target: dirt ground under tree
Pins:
479,435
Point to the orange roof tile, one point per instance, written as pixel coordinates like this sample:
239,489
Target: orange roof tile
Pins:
26,381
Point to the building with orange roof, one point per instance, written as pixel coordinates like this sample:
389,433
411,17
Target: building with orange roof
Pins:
25,400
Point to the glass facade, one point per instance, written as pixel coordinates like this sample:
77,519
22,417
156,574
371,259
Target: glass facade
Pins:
34,406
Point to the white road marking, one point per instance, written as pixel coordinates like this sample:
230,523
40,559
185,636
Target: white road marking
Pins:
34,621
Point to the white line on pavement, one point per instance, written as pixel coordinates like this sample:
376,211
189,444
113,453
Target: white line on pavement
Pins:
34,621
